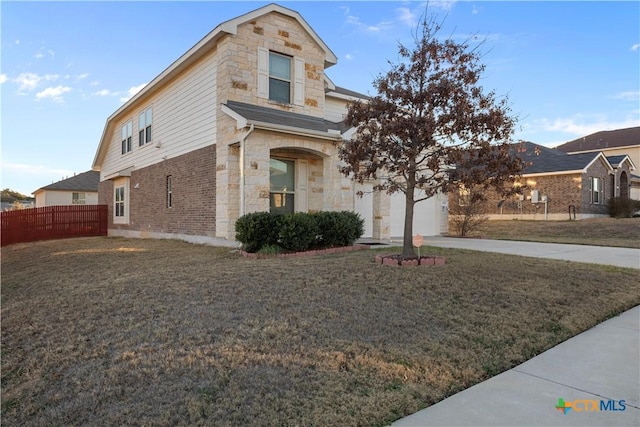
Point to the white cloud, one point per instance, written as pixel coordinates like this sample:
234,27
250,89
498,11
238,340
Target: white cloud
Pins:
132,91
407,17
628,96
51,77
39,55
82,76
581,126
348,56
376,28
27,81
446,5
55,93
635,47
475,10
3,78
105,92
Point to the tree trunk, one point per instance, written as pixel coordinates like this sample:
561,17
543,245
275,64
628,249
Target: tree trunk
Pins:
407,242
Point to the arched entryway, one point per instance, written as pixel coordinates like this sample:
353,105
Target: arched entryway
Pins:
295,180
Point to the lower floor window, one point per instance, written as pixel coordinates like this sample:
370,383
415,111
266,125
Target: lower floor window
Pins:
282,185
78,199
597,192
119,202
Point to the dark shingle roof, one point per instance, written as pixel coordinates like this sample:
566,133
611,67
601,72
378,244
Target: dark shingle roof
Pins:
602,140
254,113
545,159
86,181
349,92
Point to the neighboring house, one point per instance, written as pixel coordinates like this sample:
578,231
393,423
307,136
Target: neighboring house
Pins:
245,121
81,189
613,144
561,185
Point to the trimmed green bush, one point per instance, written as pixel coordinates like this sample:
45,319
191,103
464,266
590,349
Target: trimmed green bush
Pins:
622,207
257,230
338,228
298,231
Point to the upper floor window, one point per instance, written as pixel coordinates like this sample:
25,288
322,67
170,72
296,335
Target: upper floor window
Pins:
597,190
126,132
145,120
78,199
280,77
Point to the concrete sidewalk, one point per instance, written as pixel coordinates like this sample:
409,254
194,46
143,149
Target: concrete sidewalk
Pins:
599,365
621,257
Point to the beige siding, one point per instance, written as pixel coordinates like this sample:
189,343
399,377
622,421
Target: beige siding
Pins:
57,198
335,109
183,120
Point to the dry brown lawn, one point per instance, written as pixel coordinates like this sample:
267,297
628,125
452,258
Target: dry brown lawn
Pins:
112,331
618,232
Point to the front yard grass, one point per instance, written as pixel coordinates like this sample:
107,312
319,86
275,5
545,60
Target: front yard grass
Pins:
113,331
616,232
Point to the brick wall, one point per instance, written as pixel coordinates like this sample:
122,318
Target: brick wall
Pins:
562,191
193,208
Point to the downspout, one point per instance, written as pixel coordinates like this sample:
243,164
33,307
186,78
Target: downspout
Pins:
243,141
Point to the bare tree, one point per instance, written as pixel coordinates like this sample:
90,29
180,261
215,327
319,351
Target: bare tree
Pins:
429,117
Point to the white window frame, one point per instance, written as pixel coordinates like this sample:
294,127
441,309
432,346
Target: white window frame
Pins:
296,80
145,120
78,198
125,137
596,190
121,201
169,191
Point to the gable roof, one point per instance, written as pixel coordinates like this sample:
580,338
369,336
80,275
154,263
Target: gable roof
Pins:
272,119
603,140
204,46
86,181
616,161
545,160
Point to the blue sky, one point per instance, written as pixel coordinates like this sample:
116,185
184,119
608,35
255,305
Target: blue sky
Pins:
568,68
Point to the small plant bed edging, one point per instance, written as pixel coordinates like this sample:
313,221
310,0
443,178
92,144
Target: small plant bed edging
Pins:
336,250
400,261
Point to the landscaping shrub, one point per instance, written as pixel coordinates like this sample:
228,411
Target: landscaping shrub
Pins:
622,207
338,228
258,229
269,232
298,231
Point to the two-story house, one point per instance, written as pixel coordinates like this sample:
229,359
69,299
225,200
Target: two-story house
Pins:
245,121
616,145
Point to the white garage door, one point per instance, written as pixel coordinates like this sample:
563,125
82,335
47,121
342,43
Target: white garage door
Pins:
426,216
364,206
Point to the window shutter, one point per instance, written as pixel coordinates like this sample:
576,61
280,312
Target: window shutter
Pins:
263,73
298,87
301,186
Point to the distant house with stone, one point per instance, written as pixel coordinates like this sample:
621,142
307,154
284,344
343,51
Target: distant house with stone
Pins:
80,189
615,144
245,121
560,186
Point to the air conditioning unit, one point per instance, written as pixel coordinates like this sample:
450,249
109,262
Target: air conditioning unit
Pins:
535,196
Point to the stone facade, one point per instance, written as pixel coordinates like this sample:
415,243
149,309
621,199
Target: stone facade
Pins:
219,163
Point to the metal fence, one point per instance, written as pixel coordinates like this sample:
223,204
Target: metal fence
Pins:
53,222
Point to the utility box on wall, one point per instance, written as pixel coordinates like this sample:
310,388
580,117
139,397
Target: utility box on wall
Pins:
535,196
